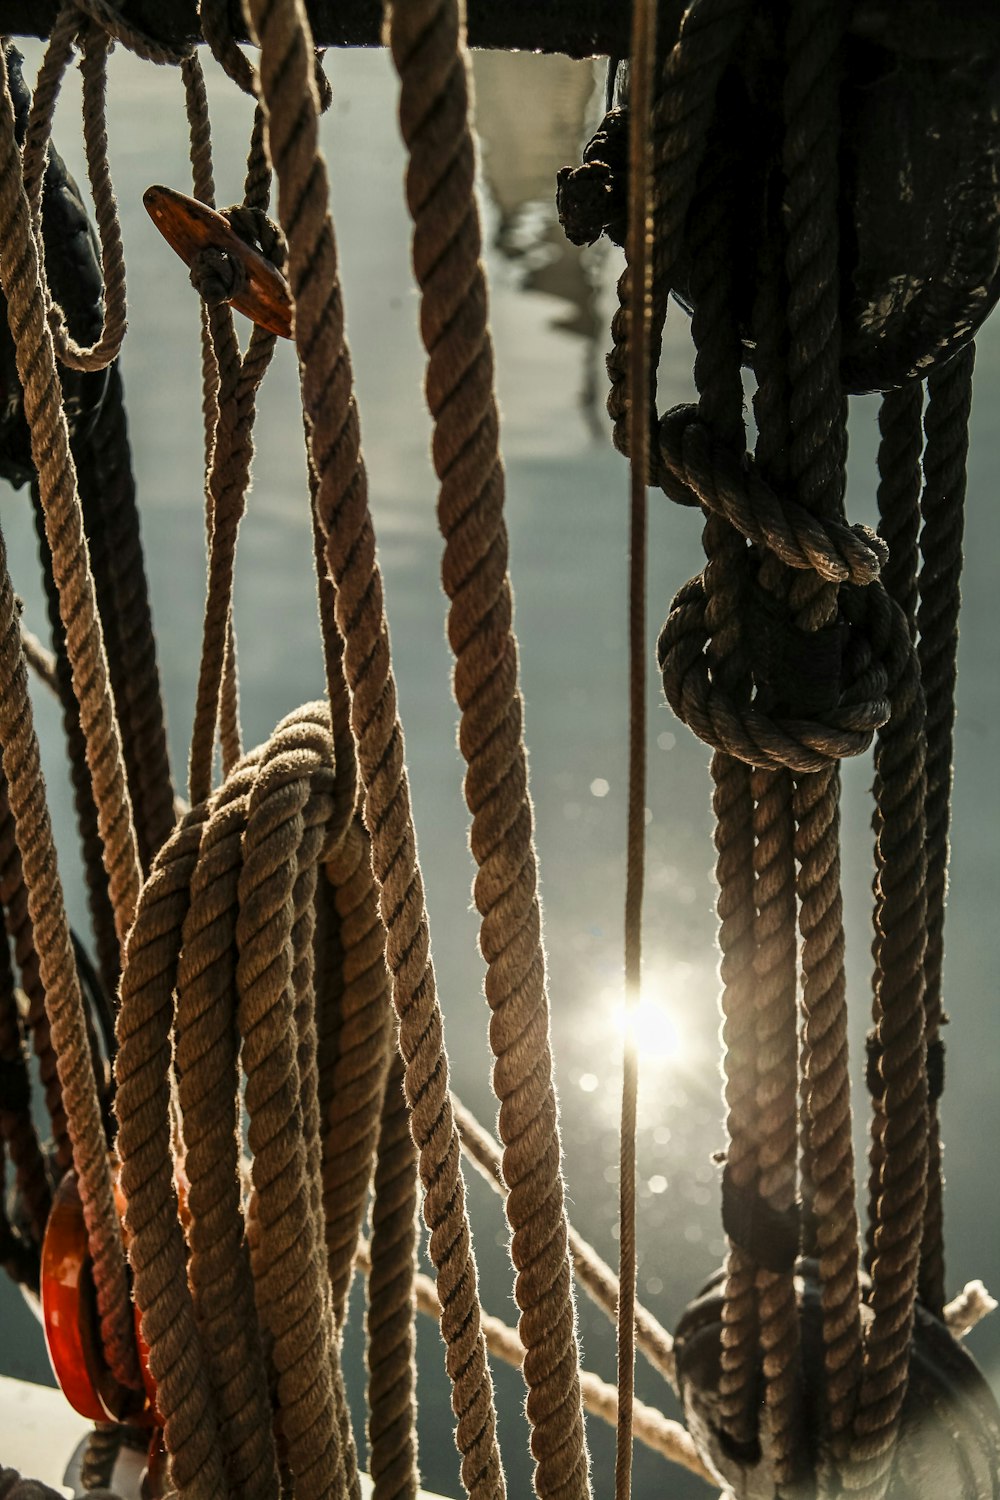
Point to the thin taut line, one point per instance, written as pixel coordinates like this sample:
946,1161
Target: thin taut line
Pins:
639,308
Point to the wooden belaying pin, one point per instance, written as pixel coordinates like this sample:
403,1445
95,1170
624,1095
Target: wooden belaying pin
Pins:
191,228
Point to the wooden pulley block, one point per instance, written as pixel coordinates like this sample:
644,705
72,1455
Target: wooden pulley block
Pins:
71,1320
72,1329
919,156
949,1444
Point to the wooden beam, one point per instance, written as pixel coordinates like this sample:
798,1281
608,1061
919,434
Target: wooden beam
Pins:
577,28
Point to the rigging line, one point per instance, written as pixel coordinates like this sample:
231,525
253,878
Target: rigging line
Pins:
643,53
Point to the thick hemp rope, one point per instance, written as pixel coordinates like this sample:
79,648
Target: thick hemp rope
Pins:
594,1274
906,1052
20,930
815,478
111,522
222,950
600,1398
94,37
102,918
20,279
60,983
708,35
111,518
774,960
287,93
426,43
942,504
36,365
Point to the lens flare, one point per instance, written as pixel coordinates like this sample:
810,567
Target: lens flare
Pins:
652,1026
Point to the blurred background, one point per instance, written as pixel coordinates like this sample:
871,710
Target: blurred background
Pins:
567,516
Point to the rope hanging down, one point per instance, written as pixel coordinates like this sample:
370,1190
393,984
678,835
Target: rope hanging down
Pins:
276,923
786,655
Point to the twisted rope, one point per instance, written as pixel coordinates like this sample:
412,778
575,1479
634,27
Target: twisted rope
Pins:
900,1116
434,108
899,456
286,816
775,959
357,1041
157,1255
392,1430
774,966
102,917
119,28
650,1426
20,279
708,35
724,581
208,1096
17,1132
68,31
287,93
942,507
816,454
107,488
20,929
59,981
595,1276
230,384
103,1449
221,953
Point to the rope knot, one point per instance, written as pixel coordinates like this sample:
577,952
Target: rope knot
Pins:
216,275
835,717
259,231
701,470
592,199
813,695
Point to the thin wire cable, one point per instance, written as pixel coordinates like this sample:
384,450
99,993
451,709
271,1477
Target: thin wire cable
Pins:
640,238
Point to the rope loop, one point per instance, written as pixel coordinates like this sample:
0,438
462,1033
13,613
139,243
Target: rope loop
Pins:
214,17
783,736
73,31
109,19
704,471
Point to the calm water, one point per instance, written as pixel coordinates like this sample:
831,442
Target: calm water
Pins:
567,518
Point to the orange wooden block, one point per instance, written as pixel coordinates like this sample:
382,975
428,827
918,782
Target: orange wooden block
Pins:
71,1321
189,226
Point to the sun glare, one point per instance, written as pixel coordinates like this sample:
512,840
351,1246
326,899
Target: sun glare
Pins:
652,1025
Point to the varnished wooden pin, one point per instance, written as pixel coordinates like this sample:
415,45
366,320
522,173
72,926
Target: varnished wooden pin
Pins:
189,227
